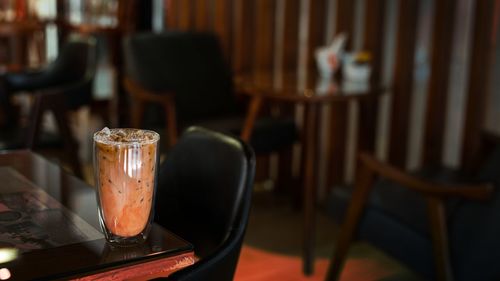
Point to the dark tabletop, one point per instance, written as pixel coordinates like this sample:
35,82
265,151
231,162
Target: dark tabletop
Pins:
51,217
295,87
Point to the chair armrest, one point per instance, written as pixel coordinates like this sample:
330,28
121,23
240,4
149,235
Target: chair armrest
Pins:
139,92
61,90
429,188
31,79
254,107
166,99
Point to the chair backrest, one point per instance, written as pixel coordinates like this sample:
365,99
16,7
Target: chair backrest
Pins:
188,64
73,68
475,230
204,194
76,62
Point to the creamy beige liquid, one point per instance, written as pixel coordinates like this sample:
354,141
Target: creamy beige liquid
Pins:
126,185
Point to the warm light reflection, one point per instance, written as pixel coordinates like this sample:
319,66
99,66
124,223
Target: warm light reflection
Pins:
5,274
7,254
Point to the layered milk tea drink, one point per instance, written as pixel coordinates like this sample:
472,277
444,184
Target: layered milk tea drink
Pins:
125,165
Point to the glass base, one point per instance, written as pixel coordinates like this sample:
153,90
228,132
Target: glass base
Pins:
126,241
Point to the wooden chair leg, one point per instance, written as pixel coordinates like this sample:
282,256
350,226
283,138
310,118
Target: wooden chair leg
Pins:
57,104
364,182
70,144
35,119
439,234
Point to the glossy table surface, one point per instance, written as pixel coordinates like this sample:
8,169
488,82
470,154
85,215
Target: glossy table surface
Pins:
292,87
56,228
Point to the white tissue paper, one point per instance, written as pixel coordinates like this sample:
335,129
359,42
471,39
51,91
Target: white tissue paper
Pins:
328,58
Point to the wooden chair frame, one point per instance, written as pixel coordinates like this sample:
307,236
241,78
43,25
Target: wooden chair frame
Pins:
53,100
435,194
142,96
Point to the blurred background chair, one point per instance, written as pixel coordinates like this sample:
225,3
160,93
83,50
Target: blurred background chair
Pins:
186,74
441,230
204,194
64,85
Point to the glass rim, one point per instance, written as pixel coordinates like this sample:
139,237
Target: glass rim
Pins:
156,138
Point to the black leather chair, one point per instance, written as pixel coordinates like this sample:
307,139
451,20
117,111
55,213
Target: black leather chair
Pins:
203,195
441,230
186,73
65,84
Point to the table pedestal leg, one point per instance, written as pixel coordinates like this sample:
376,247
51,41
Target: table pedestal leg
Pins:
310,150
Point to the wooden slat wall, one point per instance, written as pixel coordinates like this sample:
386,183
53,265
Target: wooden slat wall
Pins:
247,29
290,34
345,19
171,8
243,42
184,18
438,86
317,27
374,35
264,35
478,82
203,16
222,18
374,38
403,82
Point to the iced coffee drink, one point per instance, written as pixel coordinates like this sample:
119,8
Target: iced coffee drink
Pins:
125,164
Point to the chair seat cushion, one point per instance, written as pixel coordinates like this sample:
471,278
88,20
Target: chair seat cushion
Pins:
475,229
269,134
14,138
405,244
390,231
404,204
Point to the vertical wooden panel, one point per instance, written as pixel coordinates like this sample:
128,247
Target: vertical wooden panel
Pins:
403,81
291,35
264,30
316,31
336,147
442,44
184,14
345,19
223,22
479,73
243,34
289,45
201,14
172,12
131,15
374,36
286,52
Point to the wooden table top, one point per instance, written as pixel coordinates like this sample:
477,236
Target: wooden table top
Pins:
51,217
287,86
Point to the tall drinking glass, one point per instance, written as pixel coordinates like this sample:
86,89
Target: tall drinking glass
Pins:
125,168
